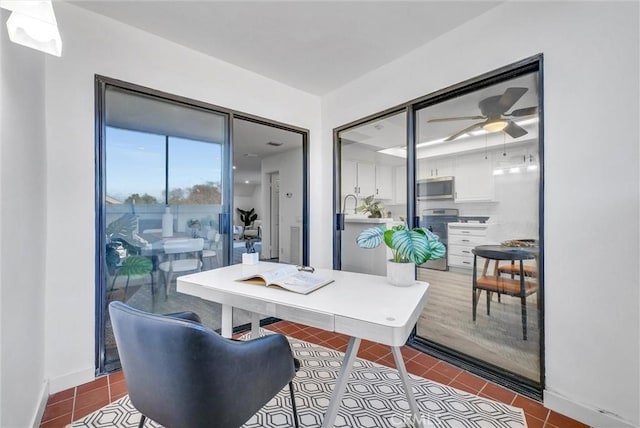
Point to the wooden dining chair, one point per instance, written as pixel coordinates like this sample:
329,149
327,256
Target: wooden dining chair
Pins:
521,287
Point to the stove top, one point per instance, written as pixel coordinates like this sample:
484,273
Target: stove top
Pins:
438,212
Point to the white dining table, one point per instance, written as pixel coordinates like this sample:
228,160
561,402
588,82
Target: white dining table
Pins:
358,305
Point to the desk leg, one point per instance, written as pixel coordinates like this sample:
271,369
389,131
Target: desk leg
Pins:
255,325
341,382
406,382
226,328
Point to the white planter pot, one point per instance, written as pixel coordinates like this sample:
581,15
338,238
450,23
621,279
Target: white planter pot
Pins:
250,258
401,274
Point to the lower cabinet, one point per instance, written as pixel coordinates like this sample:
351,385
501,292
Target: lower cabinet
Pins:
463,237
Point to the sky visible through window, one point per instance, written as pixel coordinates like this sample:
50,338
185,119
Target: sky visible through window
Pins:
136,163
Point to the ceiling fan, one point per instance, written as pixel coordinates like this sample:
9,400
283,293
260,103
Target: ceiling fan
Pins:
495,116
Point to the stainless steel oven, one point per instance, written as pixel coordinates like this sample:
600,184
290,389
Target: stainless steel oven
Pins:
436,220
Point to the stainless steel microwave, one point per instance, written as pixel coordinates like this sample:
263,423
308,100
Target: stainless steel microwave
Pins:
435,188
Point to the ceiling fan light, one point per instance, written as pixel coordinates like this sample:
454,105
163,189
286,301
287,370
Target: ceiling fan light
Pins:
495,125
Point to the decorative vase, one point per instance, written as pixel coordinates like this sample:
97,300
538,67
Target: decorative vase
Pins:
167,223
401,274
250,258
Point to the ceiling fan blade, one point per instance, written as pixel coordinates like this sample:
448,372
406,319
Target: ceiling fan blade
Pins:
527,111
510,97
447,119
515,131
464,131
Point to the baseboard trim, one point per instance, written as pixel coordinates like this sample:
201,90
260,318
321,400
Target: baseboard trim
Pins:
72,379
583,413
42,405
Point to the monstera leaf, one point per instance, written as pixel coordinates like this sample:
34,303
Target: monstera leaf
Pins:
122,227
135,266
416,245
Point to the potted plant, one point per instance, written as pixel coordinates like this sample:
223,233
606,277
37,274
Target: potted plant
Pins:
372,207
247,217
409,247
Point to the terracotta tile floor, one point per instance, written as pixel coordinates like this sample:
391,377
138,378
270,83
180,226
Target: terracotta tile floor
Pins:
75,403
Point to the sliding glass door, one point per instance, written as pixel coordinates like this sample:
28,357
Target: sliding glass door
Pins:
466,163
172,191
485,144
163,204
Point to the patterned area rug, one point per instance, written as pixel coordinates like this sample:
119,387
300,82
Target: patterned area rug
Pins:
374,398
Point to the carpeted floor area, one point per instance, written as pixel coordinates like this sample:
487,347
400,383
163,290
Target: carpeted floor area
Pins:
374,398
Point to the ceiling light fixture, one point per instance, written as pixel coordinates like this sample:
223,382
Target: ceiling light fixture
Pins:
33,24
495,125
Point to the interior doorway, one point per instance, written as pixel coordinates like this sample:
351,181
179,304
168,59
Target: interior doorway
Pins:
274,208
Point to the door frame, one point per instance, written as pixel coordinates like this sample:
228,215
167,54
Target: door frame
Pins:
100,84
274,243
531,64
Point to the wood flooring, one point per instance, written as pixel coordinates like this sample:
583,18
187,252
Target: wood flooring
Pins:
496,338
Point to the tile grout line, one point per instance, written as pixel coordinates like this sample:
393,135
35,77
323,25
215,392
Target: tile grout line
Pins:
73,407
109,388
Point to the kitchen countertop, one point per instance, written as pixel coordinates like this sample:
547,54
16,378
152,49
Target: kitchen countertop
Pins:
358,219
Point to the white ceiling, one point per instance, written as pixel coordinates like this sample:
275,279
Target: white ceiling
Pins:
315,46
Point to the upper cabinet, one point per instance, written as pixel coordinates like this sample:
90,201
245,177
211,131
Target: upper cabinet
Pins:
440,167
365,179
474,178
358,178
384,182
400,184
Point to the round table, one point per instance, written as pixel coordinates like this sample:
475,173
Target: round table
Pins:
520,287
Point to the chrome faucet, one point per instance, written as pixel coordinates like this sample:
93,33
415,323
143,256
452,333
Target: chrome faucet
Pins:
355,206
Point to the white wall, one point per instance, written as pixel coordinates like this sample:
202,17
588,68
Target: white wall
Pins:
591,179
97,45
22,231
288,165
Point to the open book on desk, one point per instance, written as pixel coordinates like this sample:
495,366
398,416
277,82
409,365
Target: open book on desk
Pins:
289,278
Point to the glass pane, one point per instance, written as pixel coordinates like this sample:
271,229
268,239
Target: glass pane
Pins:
195,190
373,187
144,184
478,178
163,182
268,194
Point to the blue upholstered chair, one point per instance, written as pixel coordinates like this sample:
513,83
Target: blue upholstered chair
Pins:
182,374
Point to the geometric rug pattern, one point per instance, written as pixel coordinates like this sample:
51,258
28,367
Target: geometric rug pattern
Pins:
374,398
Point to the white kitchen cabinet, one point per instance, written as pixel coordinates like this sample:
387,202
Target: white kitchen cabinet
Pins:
366,179
474,178
439,167
400,184
462,238
349,178
384,182
358,178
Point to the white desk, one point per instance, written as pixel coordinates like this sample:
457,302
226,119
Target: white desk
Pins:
358,305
